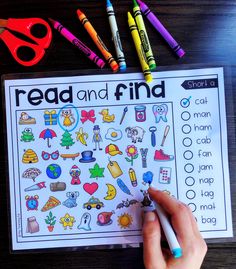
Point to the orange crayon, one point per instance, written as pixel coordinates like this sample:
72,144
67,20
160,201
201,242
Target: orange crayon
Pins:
97,40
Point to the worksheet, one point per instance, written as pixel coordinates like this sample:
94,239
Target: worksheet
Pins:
83,150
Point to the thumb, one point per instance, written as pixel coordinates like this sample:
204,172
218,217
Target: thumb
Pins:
152,253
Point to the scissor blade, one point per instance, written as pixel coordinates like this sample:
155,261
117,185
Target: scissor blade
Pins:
1,30
3,23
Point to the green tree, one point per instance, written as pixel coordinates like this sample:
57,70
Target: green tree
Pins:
66,140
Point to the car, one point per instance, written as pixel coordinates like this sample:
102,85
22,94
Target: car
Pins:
93,203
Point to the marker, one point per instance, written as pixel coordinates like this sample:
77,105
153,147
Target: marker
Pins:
116,36
168,231
97,40
144,36
161,29
79,44
139,48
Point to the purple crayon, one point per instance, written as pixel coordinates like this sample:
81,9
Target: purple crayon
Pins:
79,44
161,29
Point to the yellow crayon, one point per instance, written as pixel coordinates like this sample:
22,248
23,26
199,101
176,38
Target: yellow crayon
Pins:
144,36
97,40
139,48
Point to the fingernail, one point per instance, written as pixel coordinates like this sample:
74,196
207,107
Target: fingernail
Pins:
149,216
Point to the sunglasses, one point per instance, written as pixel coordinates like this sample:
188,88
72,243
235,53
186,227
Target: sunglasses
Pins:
54,155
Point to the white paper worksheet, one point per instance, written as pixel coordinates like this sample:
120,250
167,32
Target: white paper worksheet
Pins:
82,151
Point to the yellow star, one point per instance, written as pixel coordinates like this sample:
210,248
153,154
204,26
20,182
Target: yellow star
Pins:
67,221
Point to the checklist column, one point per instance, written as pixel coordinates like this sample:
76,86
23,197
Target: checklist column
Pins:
187,143
199,161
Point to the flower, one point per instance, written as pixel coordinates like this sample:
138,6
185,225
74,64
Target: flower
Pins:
131,150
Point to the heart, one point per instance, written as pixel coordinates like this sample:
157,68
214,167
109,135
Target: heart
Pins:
90,188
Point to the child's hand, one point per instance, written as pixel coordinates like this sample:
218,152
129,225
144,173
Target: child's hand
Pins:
184,224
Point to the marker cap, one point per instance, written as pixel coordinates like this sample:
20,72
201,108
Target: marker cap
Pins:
177,252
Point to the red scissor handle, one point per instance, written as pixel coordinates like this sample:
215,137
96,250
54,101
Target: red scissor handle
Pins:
24,26
14,43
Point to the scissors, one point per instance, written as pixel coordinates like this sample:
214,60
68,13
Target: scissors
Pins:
28,28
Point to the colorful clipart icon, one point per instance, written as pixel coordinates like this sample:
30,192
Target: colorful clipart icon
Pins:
53,171
32,202
113,134
30,156
123,187
70,202
106,117
136,133
85,222
90,188
125,220
112,150
31,173
27,135
160,112
67,221
82,136
47,134
25,118
132,152
104,218
111,192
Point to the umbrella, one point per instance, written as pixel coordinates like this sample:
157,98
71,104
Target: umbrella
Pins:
31,173
46,134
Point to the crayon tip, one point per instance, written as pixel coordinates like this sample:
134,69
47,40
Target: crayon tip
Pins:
79,12
115,68
135,3
180,53
139,2
123,67
148,78
129,16
109,3
52,21
152,67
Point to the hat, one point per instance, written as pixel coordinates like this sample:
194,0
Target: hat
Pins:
87,157
96,127
112,150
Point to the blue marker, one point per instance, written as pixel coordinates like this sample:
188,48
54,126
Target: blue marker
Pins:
116,36
168,231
